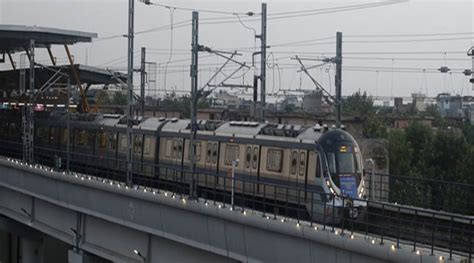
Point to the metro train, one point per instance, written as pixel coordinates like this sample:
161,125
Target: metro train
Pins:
312,158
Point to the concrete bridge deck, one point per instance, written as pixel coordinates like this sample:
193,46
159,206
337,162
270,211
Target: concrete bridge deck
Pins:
112,220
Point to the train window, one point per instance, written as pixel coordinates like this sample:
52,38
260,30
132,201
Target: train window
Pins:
274,160
81,137
318,166
175,149
346,162
331,162
209,152
113,141
302,163
102,139
137,144
231,153
123,143
214,153
294,162
180,149
169,148
248,157
146,146
255,158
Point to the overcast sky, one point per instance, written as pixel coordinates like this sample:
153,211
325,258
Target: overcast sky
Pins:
382,74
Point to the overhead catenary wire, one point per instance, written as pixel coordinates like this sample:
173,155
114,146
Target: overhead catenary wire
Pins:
409,35
170,48
236,19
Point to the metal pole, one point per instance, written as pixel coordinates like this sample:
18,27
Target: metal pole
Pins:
130,92
338,78
263,66
28,123
194,99
68,156
142,81
472,71
234,164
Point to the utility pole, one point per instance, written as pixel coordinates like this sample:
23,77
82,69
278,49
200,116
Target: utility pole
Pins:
68,125
142,81
28,112
131,6
338,78
471,54
263,59
194,99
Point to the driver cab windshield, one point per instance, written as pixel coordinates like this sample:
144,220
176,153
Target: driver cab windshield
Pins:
347,160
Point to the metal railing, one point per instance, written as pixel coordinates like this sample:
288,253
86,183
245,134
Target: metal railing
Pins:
379,222
426,193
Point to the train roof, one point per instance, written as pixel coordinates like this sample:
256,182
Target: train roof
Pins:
268,131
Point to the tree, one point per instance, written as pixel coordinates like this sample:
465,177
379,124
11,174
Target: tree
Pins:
357,105
439,121
119,98
361,105
431,169
182,104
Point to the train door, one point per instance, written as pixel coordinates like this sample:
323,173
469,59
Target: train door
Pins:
211,163
251,169
137,165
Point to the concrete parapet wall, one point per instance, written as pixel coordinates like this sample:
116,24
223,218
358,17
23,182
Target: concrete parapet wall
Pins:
114,221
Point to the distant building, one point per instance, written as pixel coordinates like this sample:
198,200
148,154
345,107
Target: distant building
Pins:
289,100
400,122
419,101
398,104
450,106
224,99
313,102
468,108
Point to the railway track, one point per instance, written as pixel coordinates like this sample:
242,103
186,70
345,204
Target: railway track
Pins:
421,227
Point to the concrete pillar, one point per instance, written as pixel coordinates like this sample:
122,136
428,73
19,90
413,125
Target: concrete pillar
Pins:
31,251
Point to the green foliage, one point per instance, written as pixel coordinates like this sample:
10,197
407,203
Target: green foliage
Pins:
119,98
423,160
439,121
357,104
182,104
361,105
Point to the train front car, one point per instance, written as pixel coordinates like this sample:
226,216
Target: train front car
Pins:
343,172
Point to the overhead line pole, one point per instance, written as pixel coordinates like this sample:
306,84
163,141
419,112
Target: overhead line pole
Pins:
194,99
263,59
338,78
142,81
28,112
131,6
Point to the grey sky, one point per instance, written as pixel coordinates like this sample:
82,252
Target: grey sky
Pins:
109,18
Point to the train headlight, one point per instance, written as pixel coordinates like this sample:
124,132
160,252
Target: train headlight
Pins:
332,190
327,182
362,190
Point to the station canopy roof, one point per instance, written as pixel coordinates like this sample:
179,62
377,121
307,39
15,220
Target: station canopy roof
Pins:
15,38
10,79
